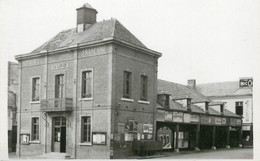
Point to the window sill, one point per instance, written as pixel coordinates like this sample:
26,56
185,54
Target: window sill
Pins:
34,142
143,102
25,143
85,144
86,99
35,102
127,99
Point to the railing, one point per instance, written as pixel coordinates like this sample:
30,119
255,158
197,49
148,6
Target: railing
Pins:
56,104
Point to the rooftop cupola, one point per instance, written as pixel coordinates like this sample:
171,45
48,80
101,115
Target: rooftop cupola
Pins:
86,16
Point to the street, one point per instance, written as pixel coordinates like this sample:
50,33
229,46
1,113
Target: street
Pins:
244,153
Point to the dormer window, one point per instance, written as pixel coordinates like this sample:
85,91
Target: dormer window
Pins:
163,99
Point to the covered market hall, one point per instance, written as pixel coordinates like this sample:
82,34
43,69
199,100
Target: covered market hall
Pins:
188,120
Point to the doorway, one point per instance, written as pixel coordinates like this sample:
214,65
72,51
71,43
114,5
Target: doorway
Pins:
59,135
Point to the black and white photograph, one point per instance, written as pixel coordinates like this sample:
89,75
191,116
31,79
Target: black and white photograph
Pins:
129,79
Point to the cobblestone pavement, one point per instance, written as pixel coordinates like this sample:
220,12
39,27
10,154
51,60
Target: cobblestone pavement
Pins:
244,153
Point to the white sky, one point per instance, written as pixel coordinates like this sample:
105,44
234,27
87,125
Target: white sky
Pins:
204,40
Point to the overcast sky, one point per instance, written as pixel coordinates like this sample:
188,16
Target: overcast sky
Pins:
209,41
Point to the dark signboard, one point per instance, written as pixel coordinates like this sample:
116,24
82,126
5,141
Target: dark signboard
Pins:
245,82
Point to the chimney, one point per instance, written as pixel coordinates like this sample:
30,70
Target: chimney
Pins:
192,83
86,16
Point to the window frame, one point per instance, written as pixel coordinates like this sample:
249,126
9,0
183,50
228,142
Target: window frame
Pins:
57,87
127,82
33,100
144,87
33,134
83,130
239,104
84,83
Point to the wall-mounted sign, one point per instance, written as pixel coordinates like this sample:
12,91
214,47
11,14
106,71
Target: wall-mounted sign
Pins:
218,121
194,118
24,138
224,121
186,118
168,116
177,117
99,138
59,66
160,115
204,119
245,82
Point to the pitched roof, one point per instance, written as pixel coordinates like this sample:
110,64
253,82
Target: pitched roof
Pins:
223,89
96,32
177,90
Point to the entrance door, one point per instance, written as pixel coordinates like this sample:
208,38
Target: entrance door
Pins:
59,134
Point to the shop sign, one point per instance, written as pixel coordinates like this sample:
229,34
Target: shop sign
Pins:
232,122
168,116
246,128
224,121
238,122
160,115
218,121
132,126
194,118
186,118
204,119
177,116
246,82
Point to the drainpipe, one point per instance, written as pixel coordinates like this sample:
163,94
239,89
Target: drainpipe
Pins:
20,94
76,70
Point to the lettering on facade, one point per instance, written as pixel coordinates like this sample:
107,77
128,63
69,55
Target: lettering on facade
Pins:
245,82
224,121
92,52
177,116
160,115
218,120
247,111
32,62
59,66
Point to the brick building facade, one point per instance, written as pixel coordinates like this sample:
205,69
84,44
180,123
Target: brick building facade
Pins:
88,92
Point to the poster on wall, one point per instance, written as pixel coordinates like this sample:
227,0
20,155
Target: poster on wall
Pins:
99,138
177,116
148,128
132,126
24,138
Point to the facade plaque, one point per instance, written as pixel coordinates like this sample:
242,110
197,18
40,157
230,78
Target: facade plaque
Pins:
59,66
177,117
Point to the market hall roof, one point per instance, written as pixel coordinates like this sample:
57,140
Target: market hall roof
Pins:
223,89
177,90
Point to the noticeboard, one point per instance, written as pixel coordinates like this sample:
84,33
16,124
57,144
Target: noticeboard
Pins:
177,117
99,138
